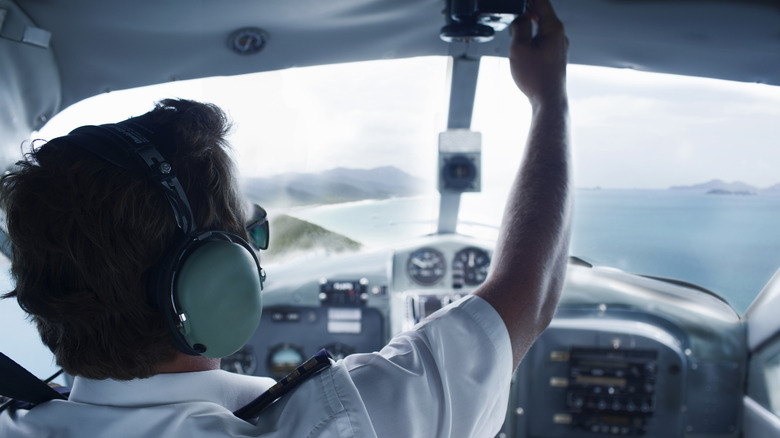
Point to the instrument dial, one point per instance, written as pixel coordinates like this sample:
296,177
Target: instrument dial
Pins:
426,266
473,263
284,359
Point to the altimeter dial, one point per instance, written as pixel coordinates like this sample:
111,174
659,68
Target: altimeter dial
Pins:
474,264
426,266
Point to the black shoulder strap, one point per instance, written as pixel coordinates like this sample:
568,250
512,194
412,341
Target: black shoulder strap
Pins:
19,384
318,362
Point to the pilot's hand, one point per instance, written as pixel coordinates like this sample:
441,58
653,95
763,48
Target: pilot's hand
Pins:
538,62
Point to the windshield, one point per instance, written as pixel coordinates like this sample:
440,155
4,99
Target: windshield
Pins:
674,177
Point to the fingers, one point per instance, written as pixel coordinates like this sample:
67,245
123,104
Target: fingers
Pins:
548,26
538,59
541,9
544,15
521,29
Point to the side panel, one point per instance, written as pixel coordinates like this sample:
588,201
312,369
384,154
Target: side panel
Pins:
762,401
623,374
29,80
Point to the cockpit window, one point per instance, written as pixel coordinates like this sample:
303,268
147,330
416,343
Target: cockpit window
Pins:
674,177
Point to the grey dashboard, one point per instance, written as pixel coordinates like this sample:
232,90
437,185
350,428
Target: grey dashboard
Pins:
624,355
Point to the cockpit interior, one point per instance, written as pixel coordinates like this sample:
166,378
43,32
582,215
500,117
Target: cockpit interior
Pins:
629,352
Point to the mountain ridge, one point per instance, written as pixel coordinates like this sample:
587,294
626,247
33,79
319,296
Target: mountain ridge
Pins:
340,184
720,187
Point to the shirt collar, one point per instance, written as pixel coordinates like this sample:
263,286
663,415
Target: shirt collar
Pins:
216,386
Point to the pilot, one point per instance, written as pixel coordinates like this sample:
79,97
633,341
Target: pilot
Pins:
107,222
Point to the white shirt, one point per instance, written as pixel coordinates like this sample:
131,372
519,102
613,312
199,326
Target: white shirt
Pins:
448,377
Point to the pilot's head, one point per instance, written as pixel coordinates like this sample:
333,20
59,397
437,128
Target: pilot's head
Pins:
86,234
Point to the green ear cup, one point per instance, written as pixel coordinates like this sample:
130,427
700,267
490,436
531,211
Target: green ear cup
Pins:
218,289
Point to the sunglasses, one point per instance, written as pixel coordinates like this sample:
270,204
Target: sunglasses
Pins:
257,228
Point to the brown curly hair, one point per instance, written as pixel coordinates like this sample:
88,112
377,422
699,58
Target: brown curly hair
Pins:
86,234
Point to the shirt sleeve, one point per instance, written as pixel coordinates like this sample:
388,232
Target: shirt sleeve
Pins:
448,377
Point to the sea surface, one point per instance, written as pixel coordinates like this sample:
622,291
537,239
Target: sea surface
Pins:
728,244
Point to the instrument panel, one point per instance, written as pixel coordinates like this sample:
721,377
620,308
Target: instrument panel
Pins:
595,379
452,263
624,355
469,266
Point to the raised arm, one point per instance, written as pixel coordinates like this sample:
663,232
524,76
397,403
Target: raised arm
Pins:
531,254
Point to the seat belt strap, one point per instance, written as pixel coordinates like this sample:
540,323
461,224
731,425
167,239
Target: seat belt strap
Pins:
19,384
317,363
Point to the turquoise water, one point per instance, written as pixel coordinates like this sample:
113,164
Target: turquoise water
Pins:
728,244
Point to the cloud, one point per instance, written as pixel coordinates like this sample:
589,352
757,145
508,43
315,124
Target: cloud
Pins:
631,129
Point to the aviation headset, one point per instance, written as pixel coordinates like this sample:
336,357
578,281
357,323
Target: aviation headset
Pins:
208,286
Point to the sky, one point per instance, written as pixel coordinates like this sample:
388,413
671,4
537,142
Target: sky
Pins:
630,129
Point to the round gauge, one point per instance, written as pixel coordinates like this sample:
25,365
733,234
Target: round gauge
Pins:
474,263
284,359
241,362
426,266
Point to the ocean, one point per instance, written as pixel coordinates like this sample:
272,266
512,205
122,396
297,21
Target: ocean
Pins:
728,244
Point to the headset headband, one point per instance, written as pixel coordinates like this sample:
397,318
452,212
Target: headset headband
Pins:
139,152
